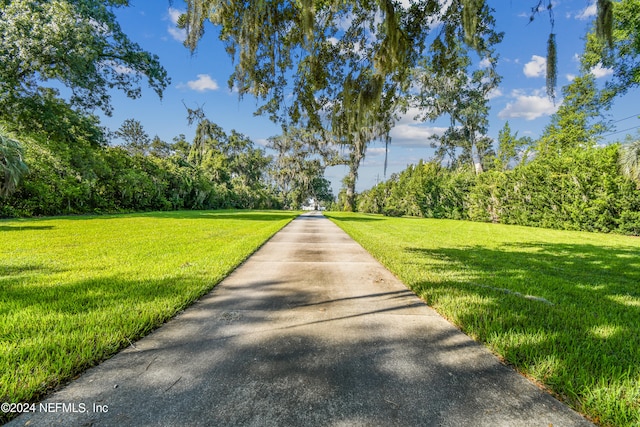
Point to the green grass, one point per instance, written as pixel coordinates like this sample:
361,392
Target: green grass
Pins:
561,307
74,290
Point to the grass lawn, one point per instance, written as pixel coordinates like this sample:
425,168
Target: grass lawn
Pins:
561,307
74,290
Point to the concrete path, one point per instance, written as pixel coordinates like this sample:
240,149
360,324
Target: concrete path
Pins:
310,331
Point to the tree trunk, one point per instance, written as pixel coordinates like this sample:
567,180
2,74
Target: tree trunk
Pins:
350,183
477,164
475,155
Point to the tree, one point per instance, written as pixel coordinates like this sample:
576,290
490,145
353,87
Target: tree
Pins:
208,141
510,148
181,147
160,148
76,42
247,163
579,120
349,61
614,42
12,166
448,87
603,34
363,113
629,159
134,136
299,167
321,190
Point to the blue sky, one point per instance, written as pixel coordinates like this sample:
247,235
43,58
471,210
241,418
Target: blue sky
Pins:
201,80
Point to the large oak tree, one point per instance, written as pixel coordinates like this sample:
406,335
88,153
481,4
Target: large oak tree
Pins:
77,43
342,66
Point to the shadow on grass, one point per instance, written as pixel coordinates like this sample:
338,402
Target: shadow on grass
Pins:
266,215
13,270
25,227
86,321
255,216
354,218
586,341
241,357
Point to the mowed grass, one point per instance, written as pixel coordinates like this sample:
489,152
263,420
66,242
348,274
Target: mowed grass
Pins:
562,307
74,290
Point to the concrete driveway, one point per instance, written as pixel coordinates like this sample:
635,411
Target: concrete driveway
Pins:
310,331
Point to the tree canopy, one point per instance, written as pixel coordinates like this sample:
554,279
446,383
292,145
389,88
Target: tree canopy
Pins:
326,47
347,66
615,43
77,43
342,66
12,166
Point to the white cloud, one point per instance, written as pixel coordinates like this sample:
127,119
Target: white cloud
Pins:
174,15
588,12
409,132
570,77
203,83
485,63
376,151
412,135
528,107
599,71
178,34
333,40
119,69
536,67
494,93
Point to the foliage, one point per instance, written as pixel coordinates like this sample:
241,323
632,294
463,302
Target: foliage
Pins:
563,180
426,189
338,65
12,166
69,303
582,189
561,307
350,65
511,149
50,117
620,48
447,86
552,66
74,175
579,121
630,159
299,167
136,140
602,36
77,43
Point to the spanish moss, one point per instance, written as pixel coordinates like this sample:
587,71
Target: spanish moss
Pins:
470,18
604,22
552,66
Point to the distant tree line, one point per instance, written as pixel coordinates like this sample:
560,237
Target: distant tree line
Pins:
564,180
350,80
71,168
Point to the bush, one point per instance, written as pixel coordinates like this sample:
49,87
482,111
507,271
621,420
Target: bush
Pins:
580,189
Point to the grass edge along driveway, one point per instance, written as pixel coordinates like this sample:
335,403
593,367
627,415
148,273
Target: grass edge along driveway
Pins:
75,290
561,307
